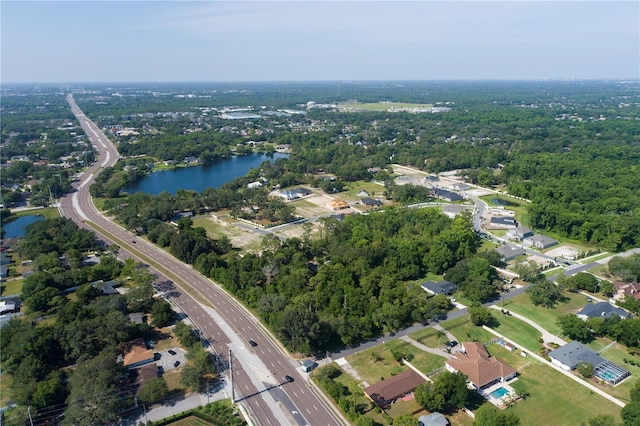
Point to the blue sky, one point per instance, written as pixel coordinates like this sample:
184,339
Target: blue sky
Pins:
149,41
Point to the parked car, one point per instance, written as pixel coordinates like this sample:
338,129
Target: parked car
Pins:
172,352
452,344
177,363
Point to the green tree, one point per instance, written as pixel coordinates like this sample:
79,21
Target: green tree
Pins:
162,313
489,415
153,390
573,327
544,293
602,420
631,414
448,393
585,369
480,315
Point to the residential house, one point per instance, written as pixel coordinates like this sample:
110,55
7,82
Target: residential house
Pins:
386,392
363,193
441,287
4,271
284,147
446,195
5,259
622,290
136,354
482,369
452,210
573,353
7,307
433,419
540,241
338,204
519,233
182,215
509,252
254,185
503,221
294,194
370,202
136,317
601,310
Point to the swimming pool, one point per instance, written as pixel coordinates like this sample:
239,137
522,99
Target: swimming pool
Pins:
499,393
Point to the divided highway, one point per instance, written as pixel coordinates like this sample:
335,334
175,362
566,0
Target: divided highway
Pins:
262,396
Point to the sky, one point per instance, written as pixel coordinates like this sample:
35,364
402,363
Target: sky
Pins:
219,41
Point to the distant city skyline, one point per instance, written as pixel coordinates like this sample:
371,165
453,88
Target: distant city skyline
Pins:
224,41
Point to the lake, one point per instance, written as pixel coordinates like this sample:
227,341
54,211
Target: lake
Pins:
198,178
16,228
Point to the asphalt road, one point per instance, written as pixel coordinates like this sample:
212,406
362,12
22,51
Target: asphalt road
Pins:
173,279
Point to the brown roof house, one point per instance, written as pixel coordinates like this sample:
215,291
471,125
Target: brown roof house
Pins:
136,354
481,368
338,204
623,290
386,392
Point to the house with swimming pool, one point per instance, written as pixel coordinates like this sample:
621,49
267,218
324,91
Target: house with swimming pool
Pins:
482,369
573,353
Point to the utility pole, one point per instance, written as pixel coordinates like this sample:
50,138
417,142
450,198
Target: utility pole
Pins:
233,397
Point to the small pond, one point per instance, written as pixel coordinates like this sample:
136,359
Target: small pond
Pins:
17,228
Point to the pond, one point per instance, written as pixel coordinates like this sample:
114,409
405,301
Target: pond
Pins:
198,178
17,228
502,202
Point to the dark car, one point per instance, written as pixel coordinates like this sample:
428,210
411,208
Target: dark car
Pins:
177,363
133,241
172,352
252,343
156,356
288,378
452,343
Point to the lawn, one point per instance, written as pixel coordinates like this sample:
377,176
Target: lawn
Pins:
11,287
374,189
47,212
546,318
376,364
5,382
465,331
218,228
518,331
554,399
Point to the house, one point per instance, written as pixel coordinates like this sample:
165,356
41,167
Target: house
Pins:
254,185
519,233
338,204
7,307
601,310
386,392
136,317
182,215
622,290
452,210
108,287
141,375
540,241
573,353
363,193
136,354
503,221
441,287
294,194
433,419
5,259
4,271
371,202
447,195
481,368
284,147
509,252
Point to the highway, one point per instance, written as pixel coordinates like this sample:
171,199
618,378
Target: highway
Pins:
268,401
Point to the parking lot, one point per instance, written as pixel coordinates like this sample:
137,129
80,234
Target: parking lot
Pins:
167,360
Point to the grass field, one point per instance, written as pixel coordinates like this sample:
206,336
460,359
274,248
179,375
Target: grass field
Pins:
544,317
518,331
191,421
465,331
11,287
374,190
5,382
217,228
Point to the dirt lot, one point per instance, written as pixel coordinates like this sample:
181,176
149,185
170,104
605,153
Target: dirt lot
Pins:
562,250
